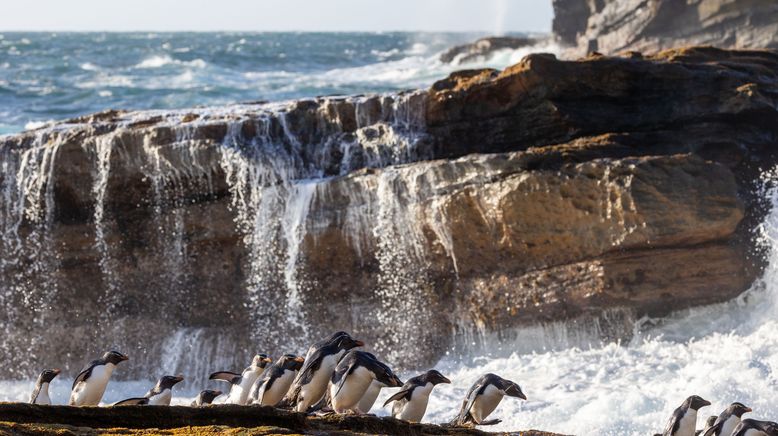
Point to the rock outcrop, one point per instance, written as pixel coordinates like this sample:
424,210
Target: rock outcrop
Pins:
483,48
612,26
548,191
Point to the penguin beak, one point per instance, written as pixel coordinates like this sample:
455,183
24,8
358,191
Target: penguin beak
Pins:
267,360
445,380
123,358
299,359
56,371
217,393
359,343
748,409
179,379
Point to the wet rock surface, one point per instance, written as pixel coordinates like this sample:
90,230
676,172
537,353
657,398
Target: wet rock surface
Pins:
496,199
612,26
23,419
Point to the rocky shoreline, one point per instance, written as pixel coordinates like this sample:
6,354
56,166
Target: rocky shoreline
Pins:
27,419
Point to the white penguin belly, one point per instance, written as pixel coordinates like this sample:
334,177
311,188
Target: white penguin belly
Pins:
312,392
161,399
754,432
353,389
688,424
367,400
415,409
485,403
239,394
276,393
90,391
729,425
43,395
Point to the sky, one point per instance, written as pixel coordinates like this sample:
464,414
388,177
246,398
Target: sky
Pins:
492,16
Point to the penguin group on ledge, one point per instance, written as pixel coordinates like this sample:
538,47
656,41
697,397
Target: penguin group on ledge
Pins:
333,377
728,423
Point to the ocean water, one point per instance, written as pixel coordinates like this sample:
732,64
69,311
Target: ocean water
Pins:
50,76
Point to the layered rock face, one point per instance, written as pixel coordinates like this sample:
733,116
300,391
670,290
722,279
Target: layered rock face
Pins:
612,26
548,191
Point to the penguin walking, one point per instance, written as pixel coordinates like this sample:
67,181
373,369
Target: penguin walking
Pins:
275,383
725,423
368,400
410,403
684,419
352,377
159,395
310,384
241,383
483,397
40,394
89,386
205,397
752,427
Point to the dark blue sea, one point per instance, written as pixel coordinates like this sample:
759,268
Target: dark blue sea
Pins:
51,76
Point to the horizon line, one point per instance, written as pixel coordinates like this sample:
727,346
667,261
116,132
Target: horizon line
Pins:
488,32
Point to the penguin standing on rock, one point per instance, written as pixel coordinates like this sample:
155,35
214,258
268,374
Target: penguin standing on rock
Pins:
159,395
310,384
410,403
40,394
353,376
89,386
205,398
727,421
275,383
483,397
241,383
752,427
684,419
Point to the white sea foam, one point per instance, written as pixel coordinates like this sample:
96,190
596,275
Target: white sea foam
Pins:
163,60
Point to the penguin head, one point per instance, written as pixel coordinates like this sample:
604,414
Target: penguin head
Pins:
710,421
435,377
47,375
770,428
291,362
207,396
510,389
168,381
114,357
344,341
738,409
261,361
695,402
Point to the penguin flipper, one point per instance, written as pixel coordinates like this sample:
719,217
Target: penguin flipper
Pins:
344,375
403,393
491,422
139,401
674,423
35,392
228,376
86,372
714,430
467,404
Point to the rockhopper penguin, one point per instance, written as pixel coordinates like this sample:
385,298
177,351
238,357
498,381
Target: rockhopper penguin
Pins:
410,403
727,421
353,375
40,394
483,397
684,419
275,382
89,386
311,382
241,383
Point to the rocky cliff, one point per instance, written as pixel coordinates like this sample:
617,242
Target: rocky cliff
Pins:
552,190
612,26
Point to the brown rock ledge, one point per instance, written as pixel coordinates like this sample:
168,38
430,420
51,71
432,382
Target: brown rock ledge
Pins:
28,419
